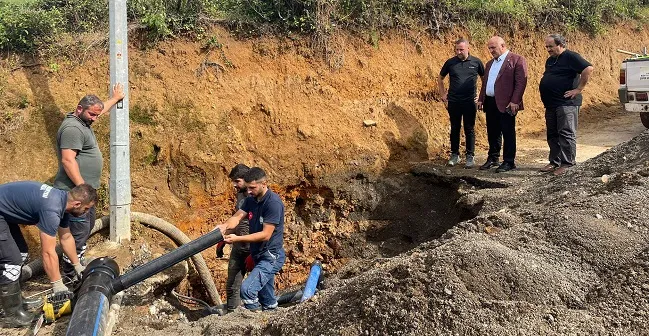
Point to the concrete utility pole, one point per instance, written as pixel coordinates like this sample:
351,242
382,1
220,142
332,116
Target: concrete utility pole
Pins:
120,166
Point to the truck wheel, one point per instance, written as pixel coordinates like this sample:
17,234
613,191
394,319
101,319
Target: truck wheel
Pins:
644,117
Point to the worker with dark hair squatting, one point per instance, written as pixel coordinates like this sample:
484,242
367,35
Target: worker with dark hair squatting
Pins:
265,212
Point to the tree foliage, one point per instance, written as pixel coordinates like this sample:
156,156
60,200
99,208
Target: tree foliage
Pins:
33,24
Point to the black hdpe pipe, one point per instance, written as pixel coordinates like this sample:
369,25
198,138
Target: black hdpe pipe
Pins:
36,267
290,298
101,281
90,316
165,261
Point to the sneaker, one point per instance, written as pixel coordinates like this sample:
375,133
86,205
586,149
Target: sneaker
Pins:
487,165
470,162
455,159
505,167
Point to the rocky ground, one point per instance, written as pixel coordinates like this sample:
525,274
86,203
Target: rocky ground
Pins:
563,255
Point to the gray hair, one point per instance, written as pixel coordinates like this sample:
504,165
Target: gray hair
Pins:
90,100
558,39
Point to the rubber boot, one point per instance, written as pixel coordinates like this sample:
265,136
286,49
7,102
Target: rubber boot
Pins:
33,302
12,304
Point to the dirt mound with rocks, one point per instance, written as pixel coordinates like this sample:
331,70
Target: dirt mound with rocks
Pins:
550,255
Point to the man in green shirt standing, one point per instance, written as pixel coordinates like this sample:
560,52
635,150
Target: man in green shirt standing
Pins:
80,161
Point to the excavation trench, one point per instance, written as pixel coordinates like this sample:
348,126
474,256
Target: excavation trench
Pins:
368,218
361,219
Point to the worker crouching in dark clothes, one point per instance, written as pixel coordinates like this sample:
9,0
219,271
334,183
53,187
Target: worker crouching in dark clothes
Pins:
34,203
265,212
240,251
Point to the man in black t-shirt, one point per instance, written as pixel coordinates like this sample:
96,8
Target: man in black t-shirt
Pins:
464,70
240,251
566,74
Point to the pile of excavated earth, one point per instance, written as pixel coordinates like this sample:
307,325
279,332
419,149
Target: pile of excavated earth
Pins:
545,255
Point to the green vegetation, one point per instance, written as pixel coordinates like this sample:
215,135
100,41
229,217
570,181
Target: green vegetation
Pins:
184,112
29,25
152,158
436,16
143,115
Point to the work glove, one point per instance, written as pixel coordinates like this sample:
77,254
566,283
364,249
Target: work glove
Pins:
79,268
250,263
219,249
58,286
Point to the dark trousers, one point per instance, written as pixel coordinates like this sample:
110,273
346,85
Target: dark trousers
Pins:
457,112
18,237
10,260
80,228
501,132
561,125
236,272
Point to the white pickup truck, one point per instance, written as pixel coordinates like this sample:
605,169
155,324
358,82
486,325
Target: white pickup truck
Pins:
634,85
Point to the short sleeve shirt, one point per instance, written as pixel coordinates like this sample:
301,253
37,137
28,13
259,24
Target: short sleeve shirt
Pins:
33,203
75,134
463,78
562,73
268,210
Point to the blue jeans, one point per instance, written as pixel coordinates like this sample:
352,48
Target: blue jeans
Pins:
258,288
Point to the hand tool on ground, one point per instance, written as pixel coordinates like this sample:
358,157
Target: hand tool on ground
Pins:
57,305
54,306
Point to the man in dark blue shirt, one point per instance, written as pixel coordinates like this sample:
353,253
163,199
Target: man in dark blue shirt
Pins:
463,70
566,74
34,203
265,212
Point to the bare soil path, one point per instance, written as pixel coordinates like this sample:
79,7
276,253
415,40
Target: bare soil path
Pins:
592,138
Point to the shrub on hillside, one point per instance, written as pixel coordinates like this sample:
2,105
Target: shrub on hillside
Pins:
79,15
25,28
163,18
438,15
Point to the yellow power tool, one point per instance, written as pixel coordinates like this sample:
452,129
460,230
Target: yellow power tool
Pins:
57,305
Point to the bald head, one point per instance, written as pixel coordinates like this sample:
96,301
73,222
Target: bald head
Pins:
496,46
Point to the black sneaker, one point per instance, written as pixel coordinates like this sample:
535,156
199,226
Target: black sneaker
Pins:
490,163
505,167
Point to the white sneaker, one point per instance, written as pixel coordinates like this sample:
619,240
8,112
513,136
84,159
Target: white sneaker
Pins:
455,159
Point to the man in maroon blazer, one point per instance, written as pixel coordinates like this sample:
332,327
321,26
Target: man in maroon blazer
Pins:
501,97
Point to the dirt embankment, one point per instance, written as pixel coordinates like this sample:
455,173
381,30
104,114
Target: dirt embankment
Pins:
270,103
